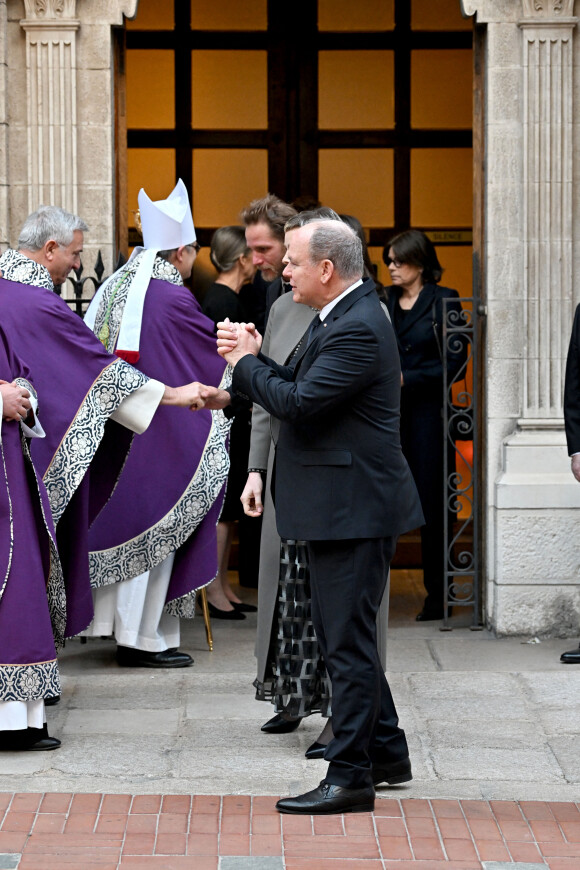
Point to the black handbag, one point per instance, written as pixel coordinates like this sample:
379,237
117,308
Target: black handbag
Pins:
460,417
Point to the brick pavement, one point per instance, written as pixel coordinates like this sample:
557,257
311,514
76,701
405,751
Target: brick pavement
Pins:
57,831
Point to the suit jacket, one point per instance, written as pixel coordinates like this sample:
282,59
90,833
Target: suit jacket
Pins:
572,389
420,355
340,471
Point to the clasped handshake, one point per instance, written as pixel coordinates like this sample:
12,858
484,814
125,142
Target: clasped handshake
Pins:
234,340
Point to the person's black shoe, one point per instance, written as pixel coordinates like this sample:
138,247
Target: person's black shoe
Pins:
392,772
216,613
572,657
315,750
28,740
242,607
279,725
52,702
329,798
42,745
137,658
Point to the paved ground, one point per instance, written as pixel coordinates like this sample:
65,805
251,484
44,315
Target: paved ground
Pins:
487,720
117,832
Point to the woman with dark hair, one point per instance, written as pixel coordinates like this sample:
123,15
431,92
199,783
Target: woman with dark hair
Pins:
232,260
415,304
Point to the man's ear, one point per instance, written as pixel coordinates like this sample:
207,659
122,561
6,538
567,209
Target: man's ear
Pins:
327,271
49,248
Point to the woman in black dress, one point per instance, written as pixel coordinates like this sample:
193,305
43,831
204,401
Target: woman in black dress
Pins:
415,304
232,260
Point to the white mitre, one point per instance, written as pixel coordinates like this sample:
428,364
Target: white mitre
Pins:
166,224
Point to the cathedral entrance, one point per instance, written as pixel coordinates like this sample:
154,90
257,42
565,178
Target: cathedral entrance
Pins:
364,107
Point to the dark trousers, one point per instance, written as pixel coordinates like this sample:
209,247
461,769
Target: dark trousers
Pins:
347,580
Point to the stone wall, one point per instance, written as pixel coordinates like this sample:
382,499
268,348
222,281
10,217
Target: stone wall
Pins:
532,551
61,113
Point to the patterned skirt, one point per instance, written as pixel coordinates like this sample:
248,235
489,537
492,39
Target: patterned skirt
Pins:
297,683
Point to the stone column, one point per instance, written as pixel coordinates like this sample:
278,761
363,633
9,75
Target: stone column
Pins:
60,106
51,31
532,499
547,29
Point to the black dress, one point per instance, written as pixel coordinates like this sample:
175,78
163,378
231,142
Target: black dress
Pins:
219,302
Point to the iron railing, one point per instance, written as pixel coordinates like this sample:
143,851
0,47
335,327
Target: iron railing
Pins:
79,301
461,460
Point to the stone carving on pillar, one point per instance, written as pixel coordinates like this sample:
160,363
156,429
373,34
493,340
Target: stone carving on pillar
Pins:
51,29
548,9
547,62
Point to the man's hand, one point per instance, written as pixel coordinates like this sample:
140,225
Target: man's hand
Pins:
575,463
236,340
15,402
251,497
195,396
214,398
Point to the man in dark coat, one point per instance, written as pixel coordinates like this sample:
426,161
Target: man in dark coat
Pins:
572,424
343,485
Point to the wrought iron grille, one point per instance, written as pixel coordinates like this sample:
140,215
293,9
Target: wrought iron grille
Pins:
79,301
460,460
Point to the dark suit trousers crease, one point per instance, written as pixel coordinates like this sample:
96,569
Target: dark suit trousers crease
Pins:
347,583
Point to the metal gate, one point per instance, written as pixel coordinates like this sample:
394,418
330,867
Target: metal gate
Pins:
462,520
79,302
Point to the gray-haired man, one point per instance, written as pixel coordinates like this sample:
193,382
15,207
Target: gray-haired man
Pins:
51,241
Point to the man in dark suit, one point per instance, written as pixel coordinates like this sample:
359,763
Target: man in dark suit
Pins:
572,424
264,220
343,485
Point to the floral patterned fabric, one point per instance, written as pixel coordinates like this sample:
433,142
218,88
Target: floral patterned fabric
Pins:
16,267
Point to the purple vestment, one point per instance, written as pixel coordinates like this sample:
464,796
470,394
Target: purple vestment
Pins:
31,582
168,497
79,385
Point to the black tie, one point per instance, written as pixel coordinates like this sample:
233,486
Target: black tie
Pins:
312,329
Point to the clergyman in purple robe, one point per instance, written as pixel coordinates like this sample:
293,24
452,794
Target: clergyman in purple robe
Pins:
85,448
32,599
154,544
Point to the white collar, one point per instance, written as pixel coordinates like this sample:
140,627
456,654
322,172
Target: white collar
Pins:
328,308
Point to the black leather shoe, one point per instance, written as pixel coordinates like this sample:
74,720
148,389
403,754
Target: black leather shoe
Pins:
28,740
572,657
138,658
43,745
216,613
315,750
52,702
279,725
242,607
393,772
329,798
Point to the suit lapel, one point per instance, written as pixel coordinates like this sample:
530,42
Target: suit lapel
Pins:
423,304
349,300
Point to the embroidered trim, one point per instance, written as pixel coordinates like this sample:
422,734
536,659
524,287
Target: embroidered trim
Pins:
147,550
55,588
29,682
79,444
112,304
16,267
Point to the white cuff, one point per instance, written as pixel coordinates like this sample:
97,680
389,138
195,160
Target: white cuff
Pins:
136,411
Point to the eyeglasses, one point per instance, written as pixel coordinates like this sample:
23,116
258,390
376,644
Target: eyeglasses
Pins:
196,247
396,263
